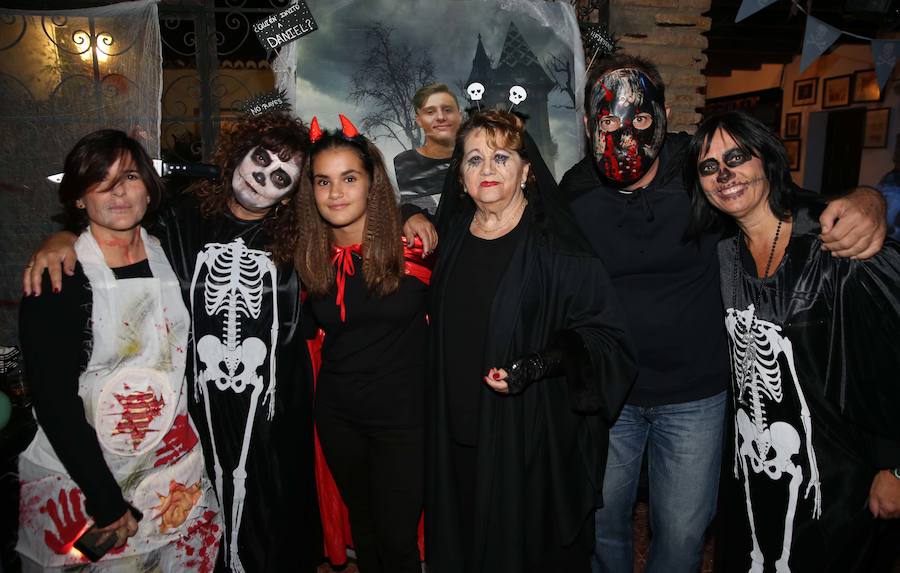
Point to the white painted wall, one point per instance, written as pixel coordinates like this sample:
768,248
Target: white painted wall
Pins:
844,59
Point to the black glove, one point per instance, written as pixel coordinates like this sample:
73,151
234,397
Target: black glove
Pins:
522,372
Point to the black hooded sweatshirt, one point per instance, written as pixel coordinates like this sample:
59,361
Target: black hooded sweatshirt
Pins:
668,286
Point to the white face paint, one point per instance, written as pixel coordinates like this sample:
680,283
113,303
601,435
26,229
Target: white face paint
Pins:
261,180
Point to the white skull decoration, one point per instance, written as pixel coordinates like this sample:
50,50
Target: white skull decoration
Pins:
517,95
475,91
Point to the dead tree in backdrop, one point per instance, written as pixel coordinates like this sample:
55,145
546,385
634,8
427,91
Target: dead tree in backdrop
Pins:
388,78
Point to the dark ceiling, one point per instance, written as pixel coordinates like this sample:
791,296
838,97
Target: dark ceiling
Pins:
775,33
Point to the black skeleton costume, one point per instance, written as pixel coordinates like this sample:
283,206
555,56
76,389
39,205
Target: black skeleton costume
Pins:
251,381
812,346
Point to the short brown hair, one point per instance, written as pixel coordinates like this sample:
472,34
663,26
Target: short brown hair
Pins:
426,92
89,162
504,130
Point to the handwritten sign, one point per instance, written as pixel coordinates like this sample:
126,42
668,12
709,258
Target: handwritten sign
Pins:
264,102
285,27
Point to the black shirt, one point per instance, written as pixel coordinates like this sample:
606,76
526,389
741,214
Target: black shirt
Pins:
373,363
471,287
420,179
55,330
669,287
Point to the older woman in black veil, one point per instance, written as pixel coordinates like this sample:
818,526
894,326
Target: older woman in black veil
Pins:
530,364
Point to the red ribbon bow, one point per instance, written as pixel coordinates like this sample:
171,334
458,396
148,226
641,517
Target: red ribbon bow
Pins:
342,259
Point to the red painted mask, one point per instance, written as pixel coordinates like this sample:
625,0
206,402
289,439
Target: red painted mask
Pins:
627,123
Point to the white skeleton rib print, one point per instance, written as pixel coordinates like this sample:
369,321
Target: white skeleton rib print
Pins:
234,284
768,446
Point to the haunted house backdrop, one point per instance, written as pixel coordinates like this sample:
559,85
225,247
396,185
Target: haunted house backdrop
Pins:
369,57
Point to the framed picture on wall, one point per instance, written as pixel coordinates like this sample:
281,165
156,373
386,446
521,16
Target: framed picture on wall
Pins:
806,91
865,86
792,125
878,120
836,92
793,152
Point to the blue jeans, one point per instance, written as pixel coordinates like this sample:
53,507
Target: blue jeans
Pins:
684,458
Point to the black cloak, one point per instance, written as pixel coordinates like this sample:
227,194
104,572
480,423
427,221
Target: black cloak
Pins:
540,454
814,385
280,528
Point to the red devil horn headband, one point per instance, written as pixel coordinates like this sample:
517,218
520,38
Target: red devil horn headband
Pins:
315,132
348,128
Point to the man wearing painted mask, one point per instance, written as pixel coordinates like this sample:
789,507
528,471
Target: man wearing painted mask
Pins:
630,201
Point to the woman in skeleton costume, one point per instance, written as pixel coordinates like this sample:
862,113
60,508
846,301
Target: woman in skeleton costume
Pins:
367,292
106,363
230,242
814,360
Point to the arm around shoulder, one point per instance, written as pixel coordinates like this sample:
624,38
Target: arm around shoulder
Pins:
55,255
855,224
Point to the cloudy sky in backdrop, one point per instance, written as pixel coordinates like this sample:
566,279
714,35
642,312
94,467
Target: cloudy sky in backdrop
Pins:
328,58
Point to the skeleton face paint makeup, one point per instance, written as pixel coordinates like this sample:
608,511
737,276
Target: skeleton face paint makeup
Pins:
732,179
627,124
262,179
733,158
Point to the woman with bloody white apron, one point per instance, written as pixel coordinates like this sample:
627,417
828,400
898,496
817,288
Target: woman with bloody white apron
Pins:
117,438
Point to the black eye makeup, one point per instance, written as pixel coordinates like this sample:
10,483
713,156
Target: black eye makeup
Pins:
280,178
473,161
733,158
501,158
261,157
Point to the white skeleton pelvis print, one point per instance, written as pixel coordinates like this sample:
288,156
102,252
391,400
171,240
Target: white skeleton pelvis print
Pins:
234,278
763,445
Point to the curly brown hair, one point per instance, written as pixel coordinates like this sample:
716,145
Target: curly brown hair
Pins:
382,250
281,134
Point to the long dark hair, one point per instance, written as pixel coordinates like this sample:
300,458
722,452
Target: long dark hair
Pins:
88,163
382,251
752,137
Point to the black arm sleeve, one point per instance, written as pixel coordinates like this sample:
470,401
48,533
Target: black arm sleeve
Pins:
886,453
407,210
55,333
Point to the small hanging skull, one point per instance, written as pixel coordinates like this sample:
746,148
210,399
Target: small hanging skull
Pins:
475,91
517,95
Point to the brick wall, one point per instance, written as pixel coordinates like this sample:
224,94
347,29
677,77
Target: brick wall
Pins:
669,33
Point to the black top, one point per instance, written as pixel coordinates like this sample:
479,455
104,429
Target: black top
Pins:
373,364
420,179
55,331
815,362
540,455
471,287
669,287
280,529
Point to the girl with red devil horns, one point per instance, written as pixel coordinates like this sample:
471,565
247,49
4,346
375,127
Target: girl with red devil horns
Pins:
366,291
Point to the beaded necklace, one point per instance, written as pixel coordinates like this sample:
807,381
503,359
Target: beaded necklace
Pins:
750,354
